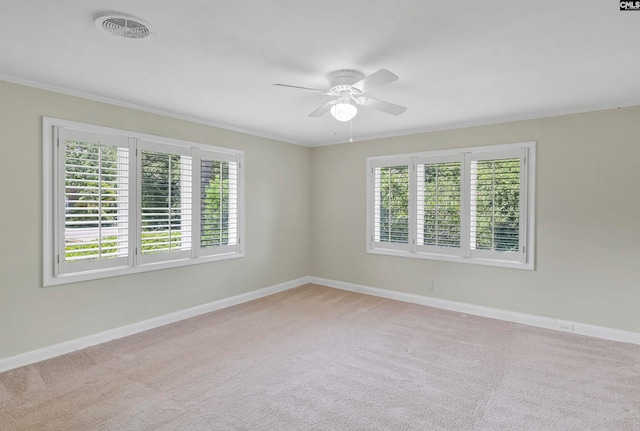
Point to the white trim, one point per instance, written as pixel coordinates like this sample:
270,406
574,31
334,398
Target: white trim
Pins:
42,354
448,257
449,154
525,151
127,270
149,139
455,125
142,108
52,276
134,328
497,120
489,312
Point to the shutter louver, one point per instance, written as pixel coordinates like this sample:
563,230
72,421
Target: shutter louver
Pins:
495,205
391,214
96,193
119,202
218,203
472,205
166,197
438,204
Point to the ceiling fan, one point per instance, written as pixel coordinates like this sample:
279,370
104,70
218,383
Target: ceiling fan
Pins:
349,88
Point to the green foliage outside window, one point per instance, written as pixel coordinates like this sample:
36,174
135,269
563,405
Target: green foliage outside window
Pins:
162,204
497,205
91,183
91,249
394,204
441,209
494,210
214,226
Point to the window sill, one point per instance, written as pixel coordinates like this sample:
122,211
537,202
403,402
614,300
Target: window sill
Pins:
450,258
127,270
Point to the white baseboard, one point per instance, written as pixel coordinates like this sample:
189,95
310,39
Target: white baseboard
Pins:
477,310
493,313
134,328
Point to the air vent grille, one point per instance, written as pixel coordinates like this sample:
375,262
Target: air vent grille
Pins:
123,26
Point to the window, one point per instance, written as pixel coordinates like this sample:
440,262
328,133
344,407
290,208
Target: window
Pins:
119,202
472,205
392,205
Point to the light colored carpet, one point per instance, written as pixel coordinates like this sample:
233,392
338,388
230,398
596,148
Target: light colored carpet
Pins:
316,358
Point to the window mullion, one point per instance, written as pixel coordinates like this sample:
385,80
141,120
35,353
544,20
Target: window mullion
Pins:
196,187
170,204
221,199
390,201
100,199
134,213
138,203
413,205
59,203
465,206
524,199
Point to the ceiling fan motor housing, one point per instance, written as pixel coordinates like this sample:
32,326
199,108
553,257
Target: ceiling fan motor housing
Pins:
341,81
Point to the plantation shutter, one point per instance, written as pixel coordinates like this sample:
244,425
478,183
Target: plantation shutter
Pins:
497,215
165,195
438,209
391,205
92,205
118,202
218,179
472,205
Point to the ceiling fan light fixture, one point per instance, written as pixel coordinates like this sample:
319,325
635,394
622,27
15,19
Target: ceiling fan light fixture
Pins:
343,111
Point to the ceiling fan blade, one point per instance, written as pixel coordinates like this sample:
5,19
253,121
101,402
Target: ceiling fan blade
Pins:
315,90
323,109
376,79
381,105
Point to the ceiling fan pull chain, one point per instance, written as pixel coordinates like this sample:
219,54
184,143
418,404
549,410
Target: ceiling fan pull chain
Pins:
351,131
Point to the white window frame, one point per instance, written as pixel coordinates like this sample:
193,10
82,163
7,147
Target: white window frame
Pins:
435,159
387,163
523,259
158,147
53,197
201,154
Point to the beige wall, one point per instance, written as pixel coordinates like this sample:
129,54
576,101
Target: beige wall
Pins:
277,185
587,214
305,215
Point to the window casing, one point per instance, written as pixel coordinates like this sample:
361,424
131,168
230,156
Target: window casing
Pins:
118,202
472,205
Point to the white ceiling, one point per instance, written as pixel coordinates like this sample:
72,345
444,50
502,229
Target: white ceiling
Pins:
460,62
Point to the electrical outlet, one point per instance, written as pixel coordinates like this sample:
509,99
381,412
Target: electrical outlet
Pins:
430,285
564,326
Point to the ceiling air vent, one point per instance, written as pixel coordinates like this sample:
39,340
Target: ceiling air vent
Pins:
123,26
